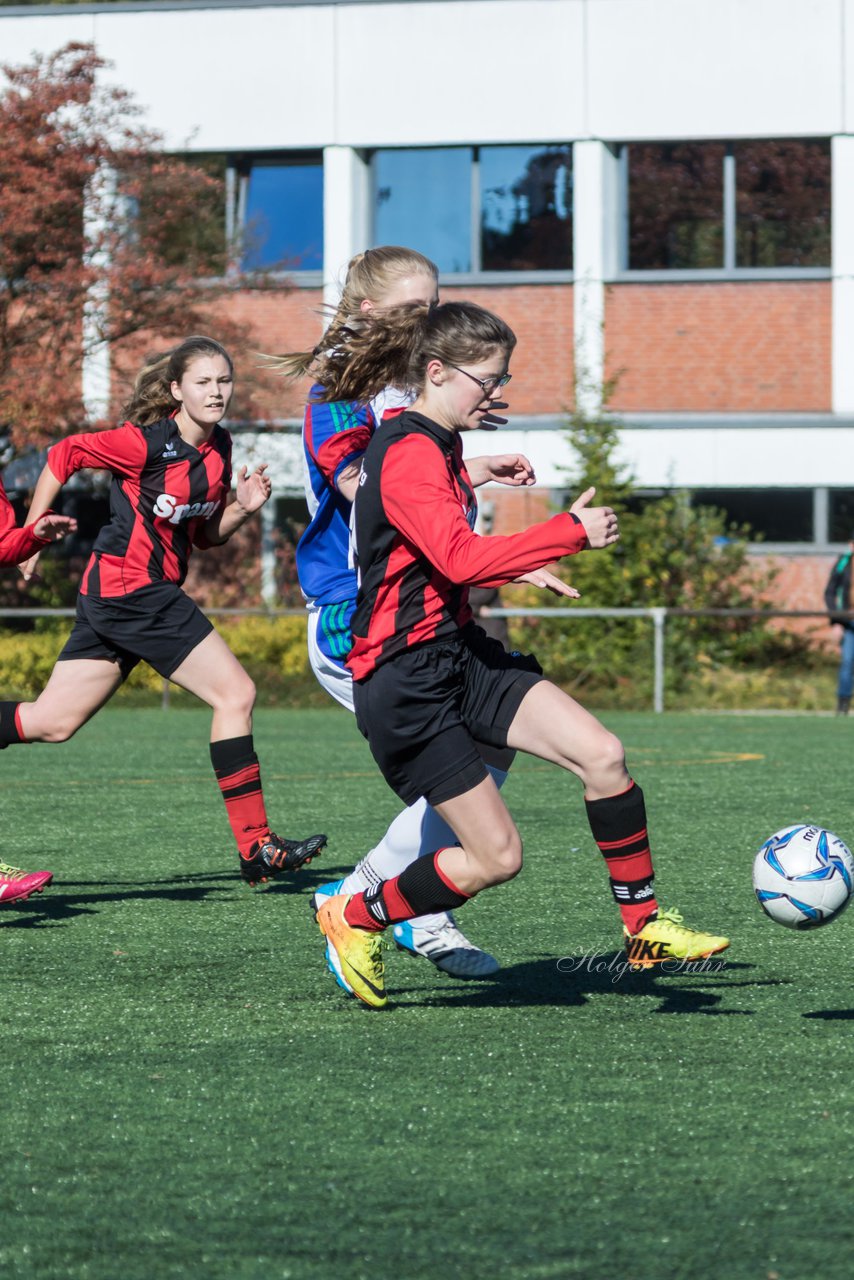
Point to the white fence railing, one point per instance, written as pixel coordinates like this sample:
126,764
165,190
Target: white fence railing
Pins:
657,615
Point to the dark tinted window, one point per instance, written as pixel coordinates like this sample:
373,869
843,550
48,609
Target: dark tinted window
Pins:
782,204
776,515
675,205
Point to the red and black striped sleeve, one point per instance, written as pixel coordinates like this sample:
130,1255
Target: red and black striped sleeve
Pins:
122,450
420,502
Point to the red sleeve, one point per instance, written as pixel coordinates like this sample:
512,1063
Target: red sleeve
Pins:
419,500
122,451
337,433
16,544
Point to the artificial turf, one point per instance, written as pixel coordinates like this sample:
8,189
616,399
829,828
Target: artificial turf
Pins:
187,1094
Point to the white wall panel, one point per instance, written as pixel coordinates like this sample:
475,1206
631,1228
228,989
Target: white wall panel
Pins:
227,78
740,457
484,70
714,68
20,38
847,50
691,457
506,71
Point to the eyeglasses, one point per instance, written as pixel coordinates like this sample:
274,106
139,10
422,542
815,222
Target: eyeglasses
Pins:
487,385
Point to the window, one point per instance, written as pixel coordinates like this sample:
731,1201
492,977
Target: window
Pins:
712,205
774,515
675,206
841,515
474,209
183,234
279,211
782,204
423,199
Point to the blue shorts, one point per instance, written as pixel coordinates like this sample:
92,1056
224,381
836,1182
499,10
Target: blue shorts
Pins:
158,624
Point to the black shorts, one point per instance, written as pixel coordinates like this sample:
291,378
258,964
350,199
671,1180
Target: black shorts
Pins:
158,624
425,711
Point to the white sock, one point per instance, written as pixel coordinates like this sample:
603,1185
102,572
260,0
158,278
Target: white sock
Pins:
414,832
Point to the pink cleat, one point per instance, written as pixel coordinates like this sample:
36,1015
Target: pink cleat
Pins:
17,885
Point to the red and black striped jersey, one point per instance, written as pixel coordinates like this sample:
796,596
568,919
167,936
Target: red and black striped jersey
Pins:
416,547
163,492
16,544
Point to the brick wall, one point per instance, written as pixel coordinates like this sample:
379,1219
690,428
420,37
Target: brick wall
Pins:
277,322
541,318
752,347
540,315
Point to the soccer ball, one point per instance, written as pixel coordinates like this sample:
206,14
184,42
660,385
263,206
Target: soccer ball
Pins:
803,876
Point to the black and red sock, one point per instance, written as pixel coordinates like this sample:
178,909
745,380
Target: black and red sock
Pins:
10,725
239,776
421,888
618,824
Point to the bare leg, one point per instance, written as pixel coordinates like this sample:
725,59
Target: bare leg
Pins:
75,691
490,848
213,674
553,726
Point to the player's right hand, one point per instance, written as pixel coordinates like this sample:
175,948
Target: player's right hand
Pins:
600,523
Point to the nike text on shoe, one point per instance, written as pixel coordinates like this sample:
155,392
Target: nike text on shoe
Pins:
357,953
445,946
272,857
665,937
17,885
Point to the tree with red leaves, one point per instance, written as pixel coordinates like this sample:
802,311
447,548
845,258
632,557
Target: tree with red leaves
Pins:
107,245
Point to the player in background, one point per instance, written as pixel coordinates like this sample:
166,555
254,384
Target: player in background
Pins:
17,545
427,683
171,491
335,435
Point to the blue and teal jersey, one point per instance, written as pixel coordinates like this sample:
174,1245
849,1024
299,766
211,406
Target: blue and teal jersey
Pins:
333,436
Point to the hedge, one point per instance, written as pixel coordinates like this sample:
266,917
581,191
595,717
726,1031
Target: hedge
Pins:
273,650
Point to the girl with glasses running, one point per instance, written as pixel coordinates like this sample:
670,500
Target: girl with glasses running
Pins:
428,684
336,431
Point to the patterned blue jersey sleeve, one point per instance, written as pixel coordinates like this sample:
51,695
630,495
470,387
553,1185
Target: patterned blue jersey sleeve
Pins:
334,435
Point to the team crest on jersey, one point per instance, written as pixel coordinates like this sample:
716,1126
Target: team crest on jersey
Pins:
169,508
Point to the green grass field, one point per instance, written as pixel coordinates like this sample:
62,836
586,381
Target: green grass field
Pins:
188,1094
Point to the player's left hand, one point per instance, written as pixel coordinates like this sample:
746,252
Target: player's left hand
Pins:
253,489
509,468
548,582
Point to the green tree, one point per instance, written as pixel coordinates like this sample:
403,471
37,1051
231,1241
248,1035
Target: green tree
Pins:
672,553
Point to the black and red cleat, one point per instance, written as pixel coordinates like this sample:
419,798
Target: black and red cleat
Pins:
274,857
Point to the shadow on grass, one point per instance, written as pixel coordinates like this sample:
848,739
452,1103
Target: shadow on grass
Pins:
61,905
832,1015
573,980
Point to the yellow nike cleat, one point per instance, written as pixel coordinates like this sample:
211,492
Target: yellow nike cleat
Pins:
357,953
665,937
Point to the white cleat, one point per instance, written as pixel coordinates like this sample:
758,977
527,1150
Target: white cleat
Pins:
446,947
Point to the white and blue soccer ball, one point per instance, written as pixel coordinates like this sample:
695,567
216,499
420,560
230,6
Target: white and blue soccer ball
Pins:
803,876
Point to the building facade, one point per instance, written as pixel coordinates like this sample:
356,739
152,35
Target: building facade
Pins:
658,195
